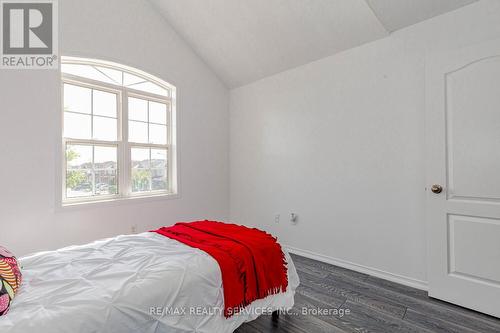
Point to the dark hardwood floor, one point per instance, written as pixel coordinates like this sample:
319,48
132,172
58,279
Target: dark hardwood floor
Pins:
369,304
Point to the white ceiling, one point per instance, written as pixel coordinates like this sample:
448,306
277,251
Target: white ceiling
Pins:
397,14
246,40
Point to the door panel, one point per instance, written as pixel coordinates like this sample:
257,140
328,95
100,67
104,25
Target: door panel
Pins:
473,126
463,156
470,258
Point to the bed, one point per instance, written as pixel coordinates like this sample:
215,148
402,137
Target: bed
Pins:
130,283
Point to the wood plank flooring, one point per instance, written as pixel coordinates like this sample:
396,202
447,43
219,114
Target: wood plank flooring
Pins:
374,305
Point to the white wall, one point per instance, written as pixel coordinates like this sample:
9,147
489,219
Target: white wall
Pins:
340,142
132,33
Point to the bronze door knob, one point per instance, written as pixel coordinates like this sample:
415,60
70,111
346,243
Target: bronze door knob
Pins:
436,188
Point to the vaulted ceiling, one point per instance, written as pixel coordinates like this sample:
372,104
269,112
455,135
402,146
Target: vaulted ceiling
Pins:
246,40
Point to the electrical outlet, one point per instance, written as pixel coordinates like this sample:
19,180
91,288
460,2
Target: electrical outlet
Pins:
293,218
277,218
133,229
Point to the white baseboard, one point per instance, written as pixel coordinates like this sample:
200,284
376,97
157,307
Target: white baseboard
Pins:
404,280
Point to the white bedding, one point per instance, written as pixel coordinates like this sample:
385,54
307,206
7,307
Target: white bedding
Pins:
123,284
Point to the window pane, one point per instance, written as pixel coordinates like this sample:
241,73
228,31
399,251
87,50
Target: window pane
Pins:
78,183
105,129
77,126
76,99
104,103
79,157
85,71
157,134
79,171
158,158
140,158
157,113
158,179
141,180
129,79
104,157
105,182
150,88
137,109
137,132
113,74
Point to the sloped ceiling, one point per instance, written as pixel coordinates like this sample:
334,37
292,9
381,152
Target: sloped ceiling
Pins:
397,14
246,40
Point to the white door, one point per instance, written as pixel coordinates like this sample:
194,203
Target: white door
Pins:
463,157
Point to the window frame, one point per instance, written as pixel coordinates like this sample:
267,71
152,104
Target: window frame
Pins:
124,147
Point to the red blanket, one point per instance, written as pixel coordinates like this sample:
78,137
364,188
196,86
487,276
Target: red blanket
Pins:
251,261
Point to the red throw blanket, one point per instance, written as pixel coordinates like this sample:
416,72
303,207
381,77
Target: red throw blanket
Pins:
252,263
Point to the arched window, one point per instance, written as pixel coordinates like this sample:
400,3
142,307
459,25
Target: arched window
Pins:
118,132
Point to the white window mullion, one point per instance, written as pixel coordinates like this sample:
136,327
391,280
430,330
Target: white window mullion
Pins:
65,169
91,114
150,166
93,170
125,163
169,169
170,174
149,135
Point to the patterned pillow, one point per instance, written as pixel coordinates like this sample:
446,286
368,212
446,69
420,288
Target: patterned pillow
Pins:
10,279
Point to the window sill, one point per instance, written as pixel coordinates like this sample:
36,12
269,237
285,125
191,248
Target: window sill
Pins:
115,201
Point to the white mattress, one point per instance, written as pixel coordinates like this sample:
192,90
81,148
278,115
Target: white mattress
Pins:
123,284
